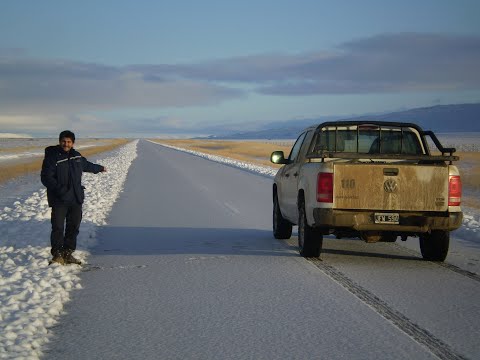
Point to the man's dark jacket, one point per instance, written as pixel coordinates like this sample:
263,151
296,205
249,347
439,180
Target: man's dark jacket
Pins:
62,175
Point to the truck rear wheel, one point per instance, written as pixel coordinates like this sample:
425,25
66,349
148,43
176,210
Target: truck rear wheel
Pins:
434,246
282,229
310,240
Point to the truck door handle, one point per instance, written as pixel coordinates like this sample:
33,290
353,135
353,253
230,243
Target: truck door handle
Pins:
390,172
296,174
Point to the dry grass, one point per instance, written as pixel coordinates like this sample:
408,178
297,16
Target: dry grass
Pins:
469,166
258,152
10,171
250,151
19,149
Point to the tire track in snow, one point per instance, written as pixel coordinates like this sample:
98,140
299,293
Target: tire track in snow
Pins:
460,271
446,265
420,335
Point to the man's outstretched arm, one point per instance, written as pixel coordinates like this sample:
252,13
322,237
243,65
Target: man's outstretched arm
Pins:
91,167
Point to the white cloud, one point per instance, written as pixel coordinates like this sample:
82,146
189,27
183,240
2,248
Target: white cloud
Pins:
32,124
14,136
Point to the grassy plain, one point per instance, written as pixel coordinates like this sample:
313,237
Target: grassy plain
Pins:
11,170
469,166
258,152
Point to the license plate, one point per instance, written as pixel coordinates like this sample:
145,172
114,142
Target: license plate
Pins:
386,218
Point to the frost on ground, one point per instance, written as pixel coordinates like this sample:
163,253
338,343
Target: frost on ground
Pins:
471,225
32,293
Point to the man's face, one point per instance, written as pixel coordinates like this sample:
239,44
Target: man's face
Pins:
66,144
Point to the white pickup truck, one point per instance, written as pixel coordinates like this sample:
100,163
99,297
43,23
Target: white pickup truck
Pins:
373,180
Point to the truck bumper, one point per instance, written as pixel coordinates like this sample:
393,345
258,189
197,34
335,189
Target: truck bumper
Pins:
413,222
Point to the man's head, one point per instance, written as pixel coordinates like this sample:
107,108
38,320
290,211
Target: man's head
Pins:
66,140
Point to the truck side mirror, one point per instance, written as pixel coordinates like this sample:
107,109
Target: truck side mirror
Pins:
278,157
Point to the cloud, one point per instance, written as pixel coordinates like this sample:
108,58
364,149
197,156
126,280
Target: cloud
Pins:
42,95
31,86
33,124
14,136
382,63
133,126
246,69
389,63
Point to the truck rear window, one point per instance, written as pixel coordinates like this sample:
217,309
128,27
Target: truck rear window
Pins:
368,139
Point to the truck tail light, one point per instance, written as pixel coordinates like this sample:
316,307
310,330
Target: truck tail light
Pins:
454,190
325,187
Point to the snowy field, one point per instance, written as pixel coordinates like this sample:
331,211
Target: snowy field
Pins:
33,294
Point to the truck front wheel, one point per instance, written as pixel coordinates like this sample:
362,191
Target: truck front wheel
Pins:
282,229
434,246
310,240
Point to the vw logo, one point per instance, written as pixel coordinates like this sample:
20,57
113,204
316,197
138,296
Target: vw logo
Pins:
390,186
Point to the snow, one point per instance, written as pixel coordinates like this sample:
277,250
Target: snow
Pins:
32,293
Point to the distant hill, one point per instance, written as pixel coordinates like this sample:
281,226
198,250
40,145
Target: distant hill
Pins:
440,118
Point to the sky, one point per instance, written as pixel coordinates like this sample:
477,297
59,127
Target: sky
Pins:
183,68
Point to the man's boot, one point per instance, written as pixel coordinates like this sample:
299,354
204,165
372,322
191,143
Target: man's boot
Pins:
57,258
70,259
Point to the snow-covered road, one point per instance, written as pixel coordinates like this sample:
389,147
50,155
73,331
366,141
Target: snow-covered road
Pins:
186,267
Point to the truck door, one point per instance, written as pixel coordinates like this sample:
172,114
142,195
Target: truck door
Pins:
290,176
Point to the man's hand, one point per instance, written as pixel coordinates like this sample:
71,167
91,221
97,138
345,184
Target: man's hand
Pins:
104,169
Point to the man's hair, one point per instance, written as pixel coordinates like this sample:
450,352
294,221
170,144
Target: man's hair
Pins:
66,134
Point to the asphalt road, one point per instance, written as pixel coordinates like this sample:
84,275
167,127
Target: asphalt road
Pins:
187,268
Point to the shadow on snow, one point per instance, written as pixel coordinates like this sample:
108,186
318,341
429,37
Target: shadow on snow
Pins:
114,240
170,241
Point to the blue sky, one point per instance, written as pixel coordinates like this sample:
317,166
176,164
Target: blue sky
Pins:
147,68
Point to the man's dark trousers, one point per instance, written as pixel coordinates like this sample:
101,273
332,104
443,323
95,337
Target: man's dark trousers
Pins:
73,216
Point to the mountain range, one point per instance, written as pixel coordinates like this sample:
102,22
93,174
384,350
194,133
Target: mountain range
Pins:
439,118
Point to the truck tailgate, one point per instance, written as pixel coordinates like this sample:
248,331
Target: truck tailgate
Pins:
399,187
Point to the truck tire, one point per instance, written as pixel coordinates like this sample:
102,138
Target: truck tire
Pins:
310,240
434,246
282,229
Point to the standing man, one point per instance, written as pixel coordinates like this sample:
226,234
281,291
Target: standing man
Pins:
62,175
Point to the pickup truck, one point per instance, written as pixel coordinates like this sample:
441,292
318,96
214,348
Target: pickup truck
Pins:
368,179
